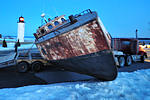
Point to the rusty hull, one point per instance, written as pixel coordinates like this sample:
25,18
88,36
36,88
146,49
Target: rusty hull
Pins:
84,40
84,50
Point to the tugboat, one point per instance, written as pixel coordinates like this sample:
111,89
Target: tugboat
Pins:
79,44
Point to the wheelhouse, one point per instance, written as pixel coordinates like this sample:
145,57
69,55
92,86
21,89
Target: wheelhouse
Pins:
50,26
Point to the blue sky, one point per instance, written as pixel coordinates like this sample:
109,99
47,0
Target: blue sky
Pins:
120,17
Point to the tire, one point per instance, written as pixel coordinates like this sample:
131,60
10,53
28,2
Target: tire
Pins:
142,58
22,67
36,66
128,61
121,61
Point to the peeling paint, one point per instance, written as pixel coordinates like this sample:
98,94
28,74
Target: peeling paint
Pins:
84,40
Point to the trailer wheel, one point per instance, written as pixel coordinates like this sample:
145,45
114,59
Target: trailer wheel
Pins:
36,66
22,67
128,61
121,60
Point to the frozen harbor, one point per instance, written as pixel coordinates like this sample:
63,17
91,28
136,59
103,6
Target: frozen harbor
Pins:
29,41
10,46
28,44
127,86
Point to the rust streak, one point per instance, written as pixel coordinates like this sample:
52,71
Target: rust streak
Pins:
84,40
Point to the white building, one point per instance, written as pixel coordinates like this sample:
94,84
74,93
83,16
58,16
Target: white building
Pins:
21,29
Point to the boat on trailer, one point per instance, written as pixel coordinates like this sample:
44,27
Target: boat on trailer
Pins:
79,44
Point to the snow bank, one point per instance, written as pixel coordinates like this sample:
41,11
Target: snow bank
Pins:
10,46
127,86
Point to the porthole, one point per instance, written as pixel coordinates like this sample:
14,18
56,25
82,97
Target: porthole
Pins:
56,23
62,19
50,26
42,31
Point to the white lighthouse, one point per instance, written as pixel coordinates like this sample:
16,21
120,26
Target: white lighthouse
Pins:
21,29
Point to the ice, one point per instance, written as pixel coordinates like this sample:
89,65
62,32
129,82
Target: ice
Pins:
10,46
127,86
29,43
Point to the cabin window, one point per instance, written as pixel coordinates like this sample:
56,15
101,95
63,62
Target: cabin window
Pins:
50,26
56,23
126,43
62,19
42,31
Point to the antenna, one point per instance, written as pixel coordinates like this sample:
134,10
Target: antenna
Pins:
43,16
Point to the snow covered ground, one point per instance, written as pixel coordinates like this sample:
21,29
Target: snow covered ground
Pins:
127,86
10,46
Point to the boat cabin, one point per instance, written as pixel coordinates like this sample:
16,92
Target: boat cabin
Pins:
50,26
61,24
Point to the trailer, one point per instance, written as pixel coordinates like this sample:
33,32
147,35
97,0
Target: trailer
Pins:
7,60
30,60
127,51
24,60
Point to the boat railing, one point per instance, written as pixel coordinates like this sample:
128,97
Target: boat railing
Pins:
64,25
83,13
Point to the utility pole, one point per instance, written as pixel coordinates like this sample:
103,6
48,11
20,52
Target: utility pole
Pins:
136,32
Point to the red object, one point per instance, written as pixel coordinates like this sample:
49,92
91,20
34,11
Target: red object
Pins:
126,45
79,43
21,19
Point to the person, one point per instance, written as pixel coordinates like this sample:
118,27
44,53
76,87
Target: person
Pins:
17,44
4,44
143,43
16,47
0,35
